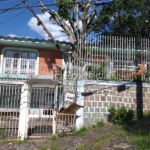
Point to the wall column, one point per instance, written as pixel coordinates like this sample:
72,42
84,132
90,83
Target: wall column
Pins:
24,112
80,101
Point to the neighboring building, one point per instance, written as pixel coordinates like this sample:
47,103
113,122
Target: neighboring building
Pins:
29,79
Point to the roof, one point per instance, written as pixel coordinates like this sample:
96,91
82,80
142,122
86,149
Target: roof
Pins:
42,81
34,43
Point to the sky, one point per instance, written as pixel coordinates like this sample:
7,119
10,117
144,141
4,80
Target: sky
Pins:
25,24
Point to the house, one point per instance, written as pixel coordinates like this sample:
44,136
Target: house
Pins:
29,78
30,75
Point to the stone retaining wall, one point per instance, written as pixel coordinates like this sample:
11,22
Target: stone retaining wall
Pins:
99,97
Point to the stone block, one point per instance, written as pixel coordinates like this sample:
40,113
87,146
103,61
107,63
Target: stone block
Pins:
94,104
97,98
108,98
94,115
91,110
105,104
103,98
114,98
103,109
113,93
99,104
133,106
106,92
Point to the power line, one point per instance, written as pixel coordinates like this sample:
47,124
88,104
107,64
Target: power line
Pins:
39,6
11,7
16,15
6,0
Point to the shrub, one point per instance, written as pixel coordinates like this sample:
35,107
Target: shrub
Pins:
121,115
147,114
82,131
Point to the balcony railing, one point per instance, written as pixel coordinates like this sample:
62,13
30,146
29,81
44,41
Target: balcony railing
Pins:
36,70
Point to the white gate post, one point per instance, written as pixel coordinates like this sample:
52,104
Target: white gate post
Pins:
24,112
54,121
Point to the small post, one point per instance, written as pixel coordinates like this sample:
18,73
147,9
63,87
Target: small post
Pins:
24,112
54,121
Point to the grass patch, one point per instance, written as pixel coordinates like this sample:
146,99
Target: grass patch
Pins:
82,131
81,147
2,134
53,146
61,135
141,143
147,114
53,138
14,141
100,124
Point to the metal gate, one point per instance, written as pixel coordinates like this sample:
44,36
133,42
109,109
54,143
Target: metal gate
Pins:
10,96
41,112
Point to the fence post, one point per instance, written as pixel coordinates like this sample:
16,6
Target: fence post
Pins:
24,112
54,121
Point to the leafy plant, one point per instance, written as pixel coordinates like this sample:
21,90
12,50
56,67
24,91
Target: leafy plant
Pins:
82,131
147,114
53,137
117,76
96,72
2,134
121,115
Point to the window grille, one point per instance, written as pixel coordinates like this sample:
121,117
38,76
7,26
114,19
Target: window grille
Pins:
19,62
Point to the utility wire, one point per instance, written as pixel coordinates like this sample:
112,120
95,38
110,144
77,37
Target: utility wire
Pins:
6,0
16,15
39,6
11,7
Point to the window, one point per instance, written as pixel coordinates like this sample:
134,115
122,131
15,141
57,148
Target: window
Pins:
19,62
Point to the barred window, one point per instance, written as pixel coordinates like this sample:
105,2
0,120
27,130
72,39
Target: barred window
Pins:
19,62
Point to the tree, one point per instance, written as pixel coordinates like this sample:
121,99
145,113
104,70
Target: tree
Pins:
125,18
67,17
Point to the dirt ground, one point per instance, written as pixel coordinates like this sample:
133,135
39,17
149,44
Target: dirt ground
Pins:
99,138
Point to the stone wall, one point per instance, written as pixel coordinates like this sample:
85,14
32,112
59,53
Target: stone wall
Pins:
100,96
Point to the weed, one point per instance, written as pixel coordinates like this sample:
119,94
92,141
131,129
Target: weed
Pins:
121,115
53,137
2,134
61,135
82,131
97,145
141,143
100,124
81,147
147,114
14,141
53,146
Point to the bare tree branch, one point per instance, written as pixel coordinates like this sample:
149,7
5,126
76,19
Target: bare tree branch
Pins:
45,29
60,21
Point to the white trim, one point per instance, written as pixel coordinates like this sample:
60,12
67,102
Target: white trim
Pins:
20,49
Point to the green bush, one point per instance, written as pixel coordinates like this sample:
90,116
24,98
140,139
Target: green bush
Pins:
147,114
121,115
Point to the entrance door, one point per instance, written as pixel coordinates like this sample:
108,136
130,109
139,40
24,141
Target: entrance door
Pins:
10,96
41,112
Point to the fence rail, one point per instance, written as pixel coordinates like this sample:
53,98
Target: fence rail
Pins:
65,122
111,58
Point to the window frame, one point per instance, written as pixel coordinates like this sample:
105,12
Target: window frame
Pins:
20,50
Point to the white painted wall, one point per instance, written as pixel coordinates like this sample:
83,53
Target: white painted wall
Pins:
80,101
24,112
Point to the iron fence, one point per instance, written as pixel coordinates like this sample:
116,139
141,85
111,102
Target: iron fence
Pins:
111,58
65,122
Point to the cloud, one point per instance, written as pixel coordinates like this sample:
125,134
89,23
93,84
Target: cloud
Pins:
12,35
53,28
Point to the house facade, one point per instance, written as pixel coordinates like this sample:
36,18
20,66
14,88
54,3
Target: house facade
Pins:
31,73
29,78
